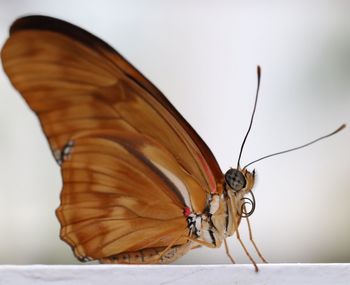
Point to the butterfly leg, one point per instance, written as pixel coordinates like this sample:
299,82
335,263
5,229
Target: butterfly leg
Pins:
243,246
166,250
201,242
167,255
208,244
175,252
253,242
228,252
246,251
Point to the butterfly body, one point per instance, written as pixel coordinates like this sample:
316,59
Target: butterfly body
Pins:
139,184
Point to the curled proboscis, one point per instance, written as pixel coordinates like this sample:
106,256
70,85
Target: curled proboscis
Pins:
247,203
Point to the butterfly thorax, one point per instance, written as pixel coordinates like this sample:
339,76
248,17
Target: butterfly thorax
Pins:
224,211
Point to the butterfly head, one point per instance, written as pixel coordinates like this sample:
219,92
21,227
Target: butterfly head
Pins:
239,180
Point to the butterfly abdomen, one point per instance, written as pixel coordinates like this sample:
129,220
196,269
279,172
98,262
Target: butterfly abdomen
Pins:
149,255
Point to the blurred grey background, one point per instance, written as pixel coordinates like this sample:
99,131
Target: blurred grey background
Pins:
203,56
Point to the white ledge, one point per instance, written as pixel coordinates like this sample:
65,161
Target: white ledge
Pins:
176,274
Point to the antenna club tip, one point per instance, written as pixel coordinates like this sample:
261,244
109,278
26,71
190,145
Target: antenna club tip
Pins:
343,126
258,70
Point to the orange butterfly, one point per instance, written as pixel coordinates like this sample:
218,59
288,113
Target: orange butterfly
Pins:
139,184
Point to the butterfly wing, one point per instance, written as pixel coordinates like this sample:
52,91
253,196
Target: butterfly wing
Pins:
130,162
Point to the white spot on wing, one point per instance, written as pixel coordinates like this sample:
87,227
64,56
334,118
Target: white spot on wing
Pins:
60,156
177,182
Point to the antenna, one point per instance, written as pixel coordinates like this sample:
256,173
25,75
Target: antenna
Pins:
299,147
252,117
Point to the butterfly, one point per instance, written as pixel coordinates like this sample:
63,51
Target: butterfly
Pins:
139,184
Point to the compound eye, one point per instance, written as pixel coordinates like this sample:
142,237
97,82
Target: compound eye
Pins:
235,179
